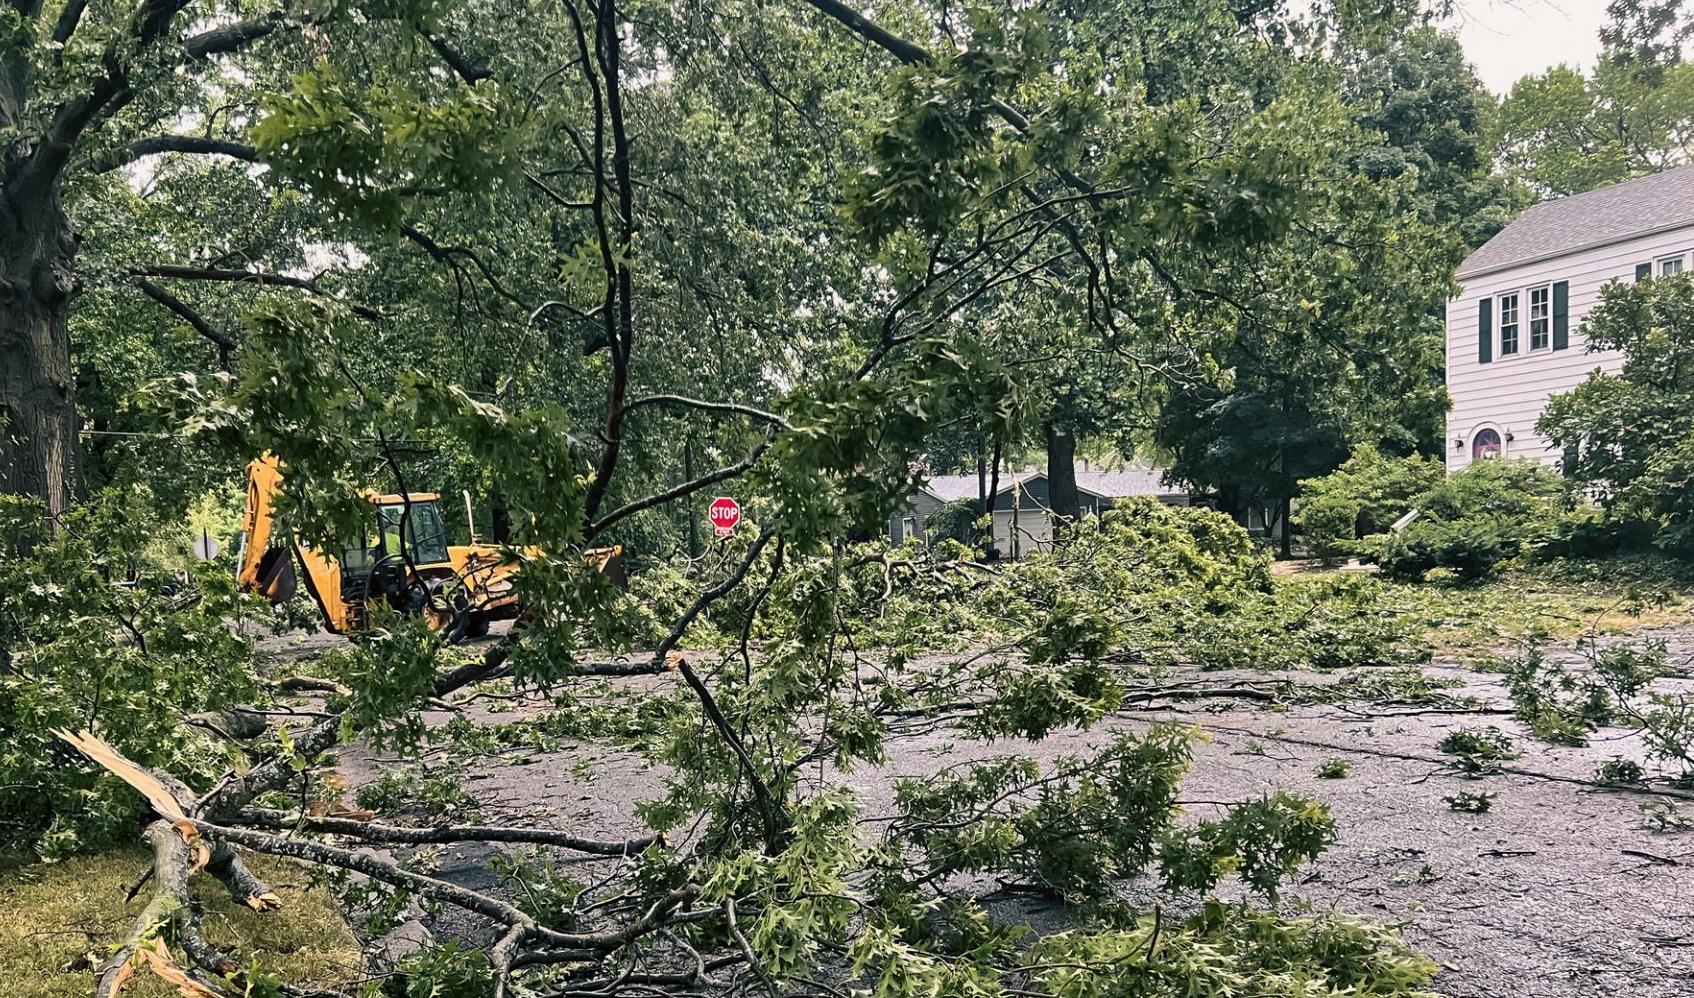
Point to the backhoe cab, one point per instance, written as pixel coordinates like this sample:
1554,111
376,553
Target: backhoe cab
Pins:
402,559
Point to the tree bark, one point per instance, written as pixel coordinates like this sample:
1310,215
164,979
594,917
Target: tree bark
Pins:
1061,477
1285,512
37,394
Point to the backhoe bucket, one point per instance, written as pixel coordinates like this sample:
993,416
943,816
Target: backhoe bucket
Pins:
276,576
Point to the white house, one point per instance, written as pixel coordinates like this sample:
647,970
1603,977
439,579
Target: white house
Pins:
1514,333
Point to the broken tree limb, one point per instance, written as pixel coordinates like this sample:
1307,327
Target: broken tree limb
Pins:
235,724
243,885
370,831
172,800
1417,757
371,865
500,958
169,908
380,868
310,684
236,792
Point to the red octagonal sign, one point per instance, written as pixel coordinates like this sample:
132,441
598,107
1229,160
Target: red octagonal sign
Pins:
725,513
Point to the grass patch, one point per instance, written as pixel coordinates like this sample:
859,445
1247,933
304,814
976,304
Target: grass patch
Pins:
1558,601
59,920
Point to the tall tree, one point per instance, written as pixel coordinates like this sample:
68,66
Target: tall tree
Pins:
1565,132
81,89
810,240
1352,350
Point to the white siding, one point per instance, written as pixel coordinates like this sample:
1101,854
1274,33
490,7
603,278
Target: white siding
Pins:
1509,393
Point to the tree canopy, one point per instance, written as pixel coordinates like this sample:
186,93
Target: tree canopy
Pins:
596,261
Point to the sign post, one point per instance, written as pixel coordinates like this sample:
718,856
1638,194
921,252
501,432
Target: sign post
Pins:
206,547
725,513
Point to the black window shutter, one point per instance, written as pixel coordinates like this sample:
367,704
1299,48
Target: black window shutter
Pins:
1485,330
1561,315
1643,271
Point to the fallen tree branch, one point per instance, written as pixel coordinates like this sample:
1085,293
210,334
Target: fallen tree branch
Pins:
1416,757
168,909
370,831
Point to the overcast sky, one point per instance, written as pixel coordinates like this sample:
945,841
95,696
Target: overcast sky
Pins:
1507,39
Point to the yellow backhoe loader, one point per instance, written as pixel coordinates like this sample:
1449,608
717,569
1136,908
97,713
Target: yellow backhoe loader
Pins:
458,588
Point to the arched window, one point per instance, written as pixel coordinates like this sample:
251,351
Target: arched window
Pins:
1485,444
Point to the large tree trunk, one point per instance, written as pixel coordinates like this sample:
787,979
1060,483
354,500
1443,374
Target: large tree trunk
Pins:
1061,476
37,397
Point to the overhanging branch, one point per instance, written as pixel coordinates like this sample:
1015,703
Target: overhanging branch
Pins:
231,36
445,254
685,489
69,18
195,320
154,145
463,67
683,402
907,52
184,272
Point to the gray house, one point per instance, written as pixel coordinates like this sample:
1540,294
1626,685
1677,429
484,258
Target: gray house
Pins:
1023,515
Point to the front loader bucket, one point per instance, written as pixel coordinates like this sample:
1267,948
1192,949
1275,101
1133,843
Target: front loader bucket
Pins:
276,575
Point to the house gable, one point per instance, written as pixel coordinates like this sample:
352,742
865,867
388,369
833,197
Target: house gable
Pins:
1514,331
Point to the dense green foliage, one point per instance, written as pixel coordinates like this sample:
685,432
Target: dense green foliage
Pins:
1471,522
1363,497
101,624
1626,436
622,257
1475,520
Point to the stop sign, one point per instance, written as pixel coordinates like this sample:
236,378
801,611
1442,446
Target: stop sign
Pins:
725,513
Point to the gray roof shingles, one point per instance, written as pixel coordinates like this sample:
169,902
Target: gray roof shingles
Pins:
1636,207
1110,484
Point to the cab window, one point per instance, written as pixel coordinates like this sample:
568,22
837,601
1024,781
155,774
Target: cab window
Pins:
426,537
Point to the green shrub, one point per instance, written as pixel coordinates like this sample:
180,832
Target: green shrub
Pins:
952,521
1361,498
1472,549
1589,531
1626,434
1521,491
1330,529
1664,496
1475,520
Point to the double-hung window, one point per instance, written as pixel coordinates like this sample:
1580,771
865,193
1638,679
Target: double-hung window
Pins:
1540,318
1670,265
1509,324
